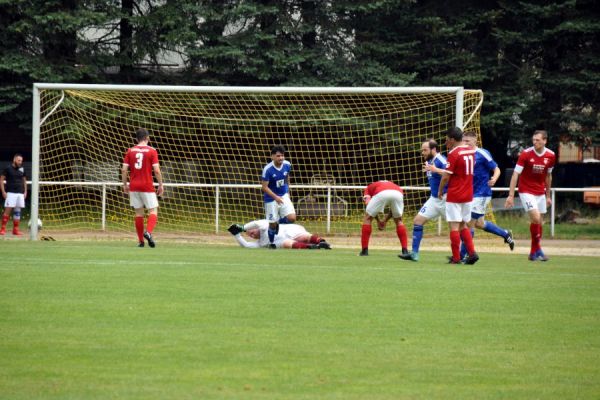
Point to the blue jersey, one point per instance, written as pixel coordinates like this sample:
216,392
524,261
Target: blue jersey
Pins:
484,167
277,178
439,161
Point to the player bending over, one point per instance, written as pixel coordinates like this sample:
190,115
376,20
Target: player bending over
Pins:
377,196
290,236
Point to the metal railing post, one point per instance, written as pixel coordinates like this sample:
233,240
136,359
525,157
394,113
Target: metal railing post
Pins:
328,209
217,204
552,210
103,207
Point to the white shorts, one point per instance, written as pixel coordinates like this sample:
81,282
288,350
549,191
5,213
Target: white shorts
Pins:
392,198
14,200
433,208
458,212
288,232
479,205
533,202
274,210
143,199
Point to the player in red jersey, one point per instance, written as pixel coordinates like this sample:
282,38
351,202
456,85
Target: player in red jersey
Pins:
140,161
534,174
377,196
459,177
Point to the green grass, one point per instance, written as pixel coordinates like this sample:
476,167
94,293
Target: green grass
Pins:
107,320
519,224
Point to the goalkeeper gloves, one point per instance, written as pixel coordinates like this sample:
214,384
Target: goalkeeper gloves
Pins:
234,229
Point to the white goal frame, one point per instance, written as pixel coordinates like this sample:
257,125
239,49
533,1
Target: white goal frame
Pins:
38,119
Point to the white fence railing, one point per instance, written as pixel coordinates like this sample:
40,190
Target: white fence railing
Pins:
330,194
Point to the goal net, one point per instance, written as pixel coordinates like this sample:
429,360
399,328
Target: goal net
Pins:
214,142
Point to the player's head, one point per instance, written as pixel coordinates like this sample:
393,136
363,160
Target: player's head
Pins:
278,155
539,139
470,139
142,135
454,137
254,233
429,149
18,160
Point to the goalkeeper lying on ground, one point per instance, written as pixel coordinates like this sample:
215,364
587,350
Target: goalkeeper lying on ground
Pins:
290,236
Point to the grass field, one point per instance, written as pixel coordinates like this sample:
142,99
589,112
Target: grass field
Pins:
86,320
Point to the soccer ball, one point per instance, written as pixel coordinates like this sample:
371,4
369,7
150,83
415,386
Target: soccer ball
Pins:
39,224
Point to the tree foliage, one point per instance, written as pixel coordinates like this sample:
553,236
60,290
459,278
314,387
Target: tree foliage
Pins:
537,62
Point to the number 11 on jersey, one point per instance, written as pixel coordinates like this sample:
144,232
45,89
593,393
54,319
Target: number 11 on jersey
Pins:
469,164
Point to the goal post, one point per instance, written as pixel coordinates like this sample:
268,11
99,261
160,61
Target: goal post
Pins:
214,141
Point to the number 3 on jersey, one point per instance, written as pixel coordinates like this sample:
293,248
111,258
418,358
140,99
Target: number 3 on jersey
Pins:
469,164
139,160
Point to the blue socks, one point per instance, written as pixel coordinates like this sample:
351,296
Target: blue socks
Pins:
271,233
495,229
417,236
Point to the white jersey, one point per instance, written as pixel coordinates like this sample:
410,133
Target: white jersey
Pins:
286,231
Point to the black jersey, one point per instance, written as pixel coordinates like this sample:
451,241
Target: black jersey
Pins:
14,179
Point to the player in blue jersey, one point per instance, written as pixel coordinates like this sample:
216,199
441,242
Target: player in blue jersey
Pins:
434,207
276,187
485,175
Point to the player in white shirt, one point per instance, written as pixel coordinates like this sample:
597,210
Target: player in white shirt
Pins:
290,236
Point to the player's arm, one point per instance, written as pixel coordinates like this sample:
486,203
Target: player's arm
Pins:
2,177
443,183
432,168
244,243
160,190
125,177
267,190
381,223
24,186
367,195
548,188
261,224
494,177
510,200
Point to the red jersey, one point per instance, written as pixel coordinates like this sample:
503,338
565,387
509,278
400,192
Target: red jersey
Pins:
460,164
140,160
380,186
533,168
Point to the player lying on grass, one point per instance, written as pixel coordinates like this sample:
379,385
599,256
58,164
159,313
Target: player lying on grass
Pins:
290,236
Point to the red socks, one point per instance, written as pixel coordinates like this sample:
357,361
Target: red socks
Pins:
467,239
536,237
365,235
401,232
314,239
455,245
152,220
300,245
4,221
139,228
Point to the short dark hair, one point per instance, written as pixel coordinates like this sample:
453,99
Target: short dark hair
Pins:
141,134
433,145
278,149
455,133
470,134
542,132
17,155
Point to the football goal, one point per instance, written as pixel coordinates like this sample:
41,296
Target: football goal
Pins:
214,141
